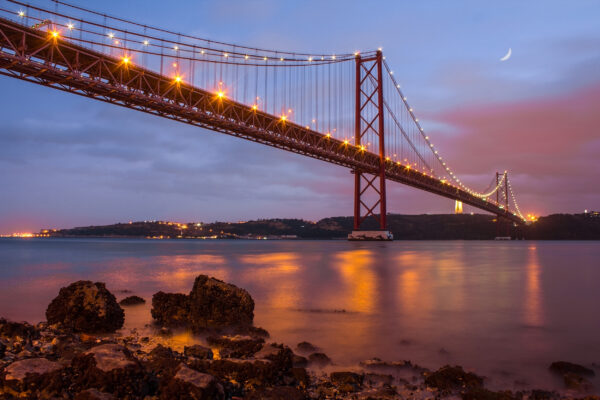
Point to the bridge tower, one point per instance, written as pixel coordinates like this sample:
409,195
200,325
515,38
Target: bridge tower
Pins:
369,186
502,224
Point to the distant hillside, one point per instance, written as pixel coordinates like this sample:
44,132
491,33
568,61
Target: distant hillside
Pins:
404,227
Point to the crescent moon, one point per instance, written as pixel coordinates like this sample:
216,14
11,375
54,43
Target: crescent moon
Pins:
507,56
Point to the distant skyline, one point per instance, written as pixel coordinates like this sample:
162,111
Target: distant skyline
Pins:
70,161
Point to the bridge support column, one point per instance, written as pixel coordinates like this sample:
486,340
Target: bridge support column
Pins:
369,186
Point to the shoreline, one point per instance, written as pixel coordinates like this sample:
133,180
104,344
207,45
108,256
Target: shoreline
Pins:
233,363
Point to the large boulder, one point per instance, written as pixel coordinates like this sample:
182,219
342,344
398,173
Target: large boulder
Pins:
216,304
171,309
32,377
85,306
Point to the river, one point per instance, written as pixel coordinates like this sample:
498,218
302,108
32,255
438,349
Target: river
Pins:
503,309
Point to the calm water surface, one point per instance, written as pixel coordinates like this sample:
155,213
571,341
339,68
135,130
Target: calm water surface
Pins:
503,309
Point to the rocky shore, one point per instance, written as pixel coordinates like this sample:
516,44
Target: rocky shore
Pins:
83,353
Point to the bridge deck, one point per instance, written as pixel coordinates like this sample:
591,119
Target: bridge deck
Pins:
34,56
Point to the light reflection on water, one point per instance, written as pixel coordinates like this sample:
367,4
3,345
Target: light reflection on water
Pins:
504,309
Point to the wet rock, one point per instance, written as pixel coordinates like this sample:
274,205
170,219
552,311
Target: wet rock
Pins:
564,367
484,394
277,393
372,379
235,346
93,394
198,351
576,382
252,331
132,301
66,347
164,362
85,306
216,304
346,381
112,368
171,309
37,377
319,359
450,378
10,330
377,365
190,384
299,361
538,394
306,348
301,376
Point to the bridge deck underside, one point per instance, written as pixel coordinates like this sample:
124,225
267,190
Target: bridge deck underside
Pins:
31,55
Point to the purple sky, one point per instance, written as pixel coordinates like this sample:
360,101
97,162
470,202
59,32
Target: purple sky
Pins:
70,161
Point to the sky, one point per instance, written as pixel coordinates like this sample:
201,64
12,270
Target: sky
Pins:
70,161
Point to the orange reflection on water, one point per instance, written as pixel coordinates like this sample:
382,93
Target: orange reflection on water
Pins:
278,274
533,293
359,292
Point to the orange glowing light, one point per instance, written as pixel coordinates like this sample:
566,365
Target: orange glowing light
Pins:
254,107
345,141
178,79
126,60
283,118
54,34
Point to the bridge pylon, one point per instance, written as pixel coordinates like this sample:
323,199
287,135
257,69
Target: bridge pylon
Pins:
369,186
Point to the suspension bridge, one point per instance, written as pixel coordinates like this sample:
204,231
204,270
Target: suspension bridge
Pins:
345,109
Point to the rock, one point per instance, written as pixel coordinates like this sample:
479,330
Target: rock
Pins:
132,301
216,304
306,348
301,376
372,379
235,346
346,381
32,377
171,309
299,361
93,394
450,378
576,382
564,367
319,359
85,306
198,351
112,367
190,384
110,356
277,393
2,350
9,330
480,393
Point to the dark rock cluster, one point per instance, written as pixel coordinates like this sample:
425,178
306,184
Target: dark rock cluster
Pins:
85,306
74,357
212,304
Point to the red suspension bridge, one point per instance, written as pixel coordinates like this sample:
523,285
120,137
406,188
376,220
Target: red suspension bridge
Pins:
345,109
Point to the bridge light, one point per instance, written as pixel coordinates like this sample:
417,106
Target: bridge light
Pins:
126,60
310,59
70,26
398,86
201,51
246,57
346,141
175,48
220,94
146,43
265,58
380,48
111,35
356,53
404,98
254,107
391,72
281,59
225,55
21,13
283,118
410,109
333,57
54,34
328,135
178,79
416,119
